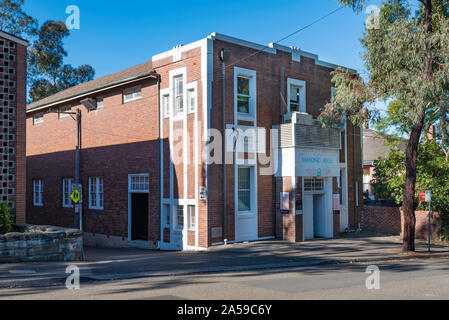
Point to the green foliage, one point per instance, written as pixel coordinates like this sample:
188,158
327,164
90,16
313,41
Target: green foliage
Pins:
15,21
432,174
47,72
6,221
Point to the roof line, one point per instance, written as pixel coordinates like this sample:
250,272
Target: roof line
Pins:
109,86
14,38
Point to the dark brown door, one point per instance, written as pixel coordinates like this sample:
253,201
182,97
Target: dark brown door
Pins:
139,212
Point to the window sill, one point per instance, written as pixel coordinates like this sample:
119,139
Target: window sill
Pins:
245,117
38,205
132,100
96,209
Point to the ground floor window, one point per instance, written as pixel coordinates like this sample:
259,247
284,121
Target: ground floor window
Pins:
179,217
38,191
96,195
244,189
66,191
191,217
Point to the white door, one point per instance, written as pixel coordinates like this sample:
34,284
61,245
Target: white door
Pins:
308,225
246,205
319,216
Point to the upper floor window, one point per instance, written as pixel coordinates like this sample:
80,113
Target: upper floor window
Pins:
245,95
132,94
165,102
191,97
66,191
178,93
296,95
38,118
64,112
38,191
100,103
96,196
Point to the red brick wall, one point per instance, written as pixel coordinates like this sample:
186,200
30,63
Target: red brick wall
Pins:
390,220
13,136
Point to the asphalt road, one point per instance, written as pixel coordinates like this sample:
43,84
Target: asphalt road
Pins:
411,279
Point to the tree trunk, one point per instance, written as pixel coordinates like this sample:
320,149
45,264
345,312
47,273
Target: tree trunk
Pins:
412,150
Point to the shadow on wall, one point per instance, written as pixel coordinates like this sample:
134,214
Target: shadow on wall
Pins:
112,163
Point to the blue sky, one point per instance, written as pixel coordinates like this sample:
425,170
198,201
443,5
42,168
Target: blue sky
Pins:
115,34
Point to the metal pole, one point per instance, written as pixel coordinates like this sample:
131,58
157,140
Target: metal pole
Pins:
430,222
77,215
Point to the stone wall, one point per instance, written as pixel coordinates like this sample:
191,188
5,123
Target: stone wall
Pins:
390,220
41,243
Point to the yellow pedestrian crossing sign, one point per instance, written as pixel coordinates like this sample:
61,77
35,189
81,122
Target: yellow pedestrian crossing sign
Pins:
75,196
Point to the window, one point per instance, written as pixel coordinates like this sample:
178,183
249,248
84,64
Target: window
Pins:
139,183
244,189
313,185
38,118
96,193
167,215
100,103
166,105
243,95
63,112
191,218
178,93
296,95
191,98
132,94
38,190
66,192
179,217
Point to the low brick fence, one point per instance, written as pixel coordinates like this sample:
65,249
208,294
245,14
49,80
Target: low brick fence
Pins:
390,220
41,243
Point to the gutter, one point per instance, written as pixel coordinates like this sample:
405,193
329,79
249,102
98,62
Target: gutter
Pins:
82,95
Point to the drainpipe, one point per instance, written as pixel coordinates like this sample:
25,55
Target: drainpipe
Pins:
222,57
160,159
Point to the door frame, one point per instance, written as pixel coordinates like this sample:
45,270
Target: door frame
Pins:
130,192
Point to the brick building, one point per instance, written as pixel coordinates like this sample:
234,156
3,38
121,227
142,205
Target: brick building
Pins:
13,53
152,154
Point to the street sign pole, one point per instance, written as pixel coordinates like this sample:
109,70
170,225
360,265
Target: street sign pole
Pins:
430,221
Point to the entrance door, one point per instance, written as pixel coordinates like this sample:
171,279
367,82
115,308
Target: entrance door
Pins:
246,205
139,216
319,216
177,228
308,217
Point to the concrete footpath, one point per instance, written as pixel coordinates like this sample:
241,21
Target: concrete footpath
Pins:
113,264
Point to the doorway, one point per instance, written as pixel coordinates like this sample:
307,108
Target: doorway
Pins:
319,218
139,216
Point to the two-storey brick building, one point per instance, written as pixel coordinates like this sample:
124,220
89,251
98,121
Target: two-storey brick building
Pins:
13,56
211,142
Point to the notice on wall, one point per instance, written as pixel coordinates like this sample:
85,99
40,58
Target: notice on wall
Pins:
336,202
285,202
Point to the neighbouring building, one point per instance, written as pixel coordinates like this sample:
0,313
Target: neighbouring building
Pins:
375,146
13,69
152,155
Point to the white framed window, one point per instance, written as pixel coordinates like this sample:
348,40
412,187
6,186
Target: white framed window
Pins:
312,185
132,94
296,95
165,102
38,118
167,215
38,191
100,103
96,196
66,192
63,112
191,218
245,93
178,94
192,97
179,217
139,183
245,189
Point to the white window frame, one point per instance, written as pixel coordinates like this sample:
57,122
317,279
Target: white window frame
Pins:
165,109
66,200
141,186
38,192
38,118
172,74
181,95
191,218
100,103
252,189
134,92
317,185
178,226
303,89
252,76
98,194
192,87
62,115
